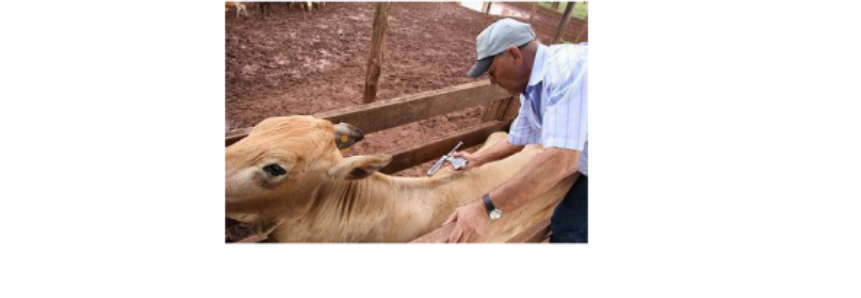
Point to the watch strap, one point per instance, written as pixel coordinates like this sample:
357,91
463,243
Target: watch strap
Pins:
487,203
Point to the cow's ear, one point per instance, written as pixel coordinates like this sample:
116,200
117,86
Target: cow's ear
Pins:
358,167
346,135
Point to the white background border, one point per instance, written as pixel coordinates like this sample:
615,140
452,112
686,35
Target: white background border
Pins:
724,138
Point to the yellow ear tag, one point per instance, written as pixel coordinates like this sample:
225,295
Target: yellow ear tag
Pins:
344,139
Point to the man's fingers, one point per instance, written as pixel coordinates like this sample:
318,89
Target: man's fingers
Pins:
455,235
451,218
475,238
464,238
468,238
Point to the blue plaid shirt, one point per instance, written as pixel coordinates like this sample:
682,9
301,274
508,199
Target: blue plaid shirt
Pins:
553,109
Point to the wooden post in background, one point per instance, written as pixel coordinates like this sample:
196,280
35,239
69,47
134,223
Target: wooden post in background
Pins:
582,31
378,49
532,14
563,23
486,8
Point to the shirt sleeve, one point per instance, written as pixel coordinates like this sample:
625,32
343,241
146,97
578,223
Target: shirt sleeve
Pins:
566,119
522,133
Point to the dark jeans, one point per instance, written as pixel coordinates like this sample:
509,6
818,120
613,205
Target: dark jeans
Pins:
570,221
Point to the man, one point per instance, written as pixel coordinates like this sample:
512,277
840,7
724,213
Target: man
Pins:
552,84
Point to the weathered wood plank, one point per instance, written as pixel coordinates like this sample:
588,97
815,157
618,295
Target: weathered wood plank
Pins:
433,150
507,111
491,110
532,14
511,110
583,30
235,135
487,109
395,112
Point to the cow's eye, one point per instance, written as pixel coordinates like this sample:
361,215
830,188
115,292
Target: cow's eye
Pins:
274,169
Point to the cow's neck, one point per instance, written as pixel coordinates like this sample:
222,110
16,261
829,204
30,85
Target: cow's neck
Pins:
359,210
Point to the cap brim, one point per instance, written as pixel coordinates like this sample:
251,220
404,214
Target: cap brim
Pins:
480,67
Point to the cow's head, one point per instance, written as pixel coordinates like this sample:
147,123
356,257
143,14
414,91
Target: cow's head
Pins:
285,159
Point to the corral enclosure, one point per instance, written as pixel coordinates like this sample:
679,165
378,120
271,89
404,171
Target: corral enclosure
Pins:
293,62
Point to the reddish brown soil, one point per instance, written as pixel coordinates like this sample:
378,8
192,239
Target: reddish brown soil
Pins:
545,22
293,63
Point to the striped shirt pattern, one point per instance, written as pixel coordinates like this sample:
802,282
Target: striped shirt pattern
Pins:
553,109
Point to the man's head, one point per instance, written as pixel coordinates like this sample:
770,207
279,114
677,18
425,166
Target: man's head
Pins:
505,51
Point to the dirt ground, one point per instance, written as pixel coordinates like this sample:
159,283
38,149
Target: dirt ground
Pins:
296,63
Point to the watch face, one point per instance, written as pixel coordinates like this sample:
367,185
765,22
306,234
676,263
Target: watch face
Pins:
495,214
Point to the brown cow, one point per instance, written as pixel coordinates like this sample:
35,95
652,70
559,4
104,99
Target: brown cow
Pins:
290,180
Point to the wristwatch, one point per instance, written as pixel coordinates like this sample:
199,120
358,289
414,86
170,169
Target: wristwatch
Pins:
492,211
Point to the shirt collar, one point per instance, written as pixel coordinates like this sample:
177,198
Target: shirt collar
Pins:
537,66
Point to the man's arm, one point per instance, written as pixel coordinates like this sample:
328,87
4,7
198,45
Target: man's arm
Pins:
541,174
500,150
544,171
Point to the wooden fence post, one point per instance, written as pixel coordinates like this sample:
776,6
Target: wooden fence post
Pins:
569,8
582,31
486,7
378,48
532,14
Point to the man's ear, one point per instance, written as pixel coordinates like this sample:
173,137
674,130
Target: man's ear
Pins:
358,167
516,55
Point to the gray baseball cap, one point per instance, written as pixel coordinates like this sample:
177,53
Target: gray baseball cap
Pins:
495,39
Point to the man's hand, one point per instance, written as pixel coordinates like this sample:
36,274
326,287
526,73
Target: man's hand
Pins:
471,223
473,159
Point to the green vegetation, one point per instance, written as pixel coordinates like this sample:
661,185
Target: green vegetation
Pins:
581,9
